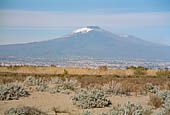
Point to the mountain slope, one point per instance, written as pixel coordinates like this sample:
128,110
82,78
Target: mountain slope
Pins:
90,41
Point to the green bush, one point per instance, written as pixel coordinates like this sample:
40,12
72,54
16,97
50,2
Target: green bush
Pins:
163,73
103,68
131,67
52,65
65,72
140,70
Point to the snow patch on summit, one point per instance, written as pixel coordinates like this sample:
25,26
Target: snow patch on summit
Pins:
124,36
83,30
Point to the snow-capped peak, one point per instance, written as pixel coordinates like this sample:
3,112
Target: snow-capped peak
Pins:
124,36
83,30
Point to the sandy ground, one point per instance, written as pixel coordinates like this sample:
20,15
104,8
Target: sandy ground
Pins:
46,101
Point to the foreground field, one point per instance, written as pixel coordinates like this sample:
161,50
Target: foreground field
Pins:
57,96
96,93
46,101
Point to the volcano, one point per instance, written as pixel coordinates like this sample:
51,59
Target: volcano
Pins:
90,41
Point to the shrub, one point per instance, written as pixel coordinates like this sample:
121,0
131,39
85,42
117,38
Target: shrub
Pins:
32,81
71,84
160,98
64,86
155,101
163,73
42,87
103,68
13,67
93,98
151,88
131,67
163,111
109,88
114,88
87,112
163,94
40,84
138,71
166,105
57,80
167,85
65,72
52,65
131,109
25,110
12,91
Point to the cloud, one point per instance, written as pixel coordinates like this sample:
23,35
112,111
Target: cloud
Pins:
62,19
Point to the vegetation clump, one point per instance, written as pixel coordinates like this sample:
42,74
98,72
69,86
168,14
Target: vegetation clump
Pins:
32,81
140,70
166,108
163,94
64,85
129,109
149,87
155,101
87,112
93,98
40,84
163,73
160,98
24,110
103,68
114,88
12,91
65,72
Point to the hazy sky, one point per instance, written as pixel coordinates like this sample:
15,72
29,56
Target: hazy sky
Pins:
36,20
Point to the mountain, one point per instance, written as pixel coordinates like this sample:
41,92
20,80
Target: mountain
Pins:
90,41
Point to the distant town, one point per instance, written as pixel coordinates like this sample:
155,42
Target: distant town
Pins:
83,61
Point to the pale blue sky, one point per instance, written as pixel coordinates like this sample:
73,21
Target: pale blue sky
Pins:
36,20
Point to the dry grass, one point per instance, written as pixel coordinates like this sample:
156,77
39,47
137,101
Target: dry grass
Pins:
155,101
129,84
86,76
74,70
71,70
167,85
